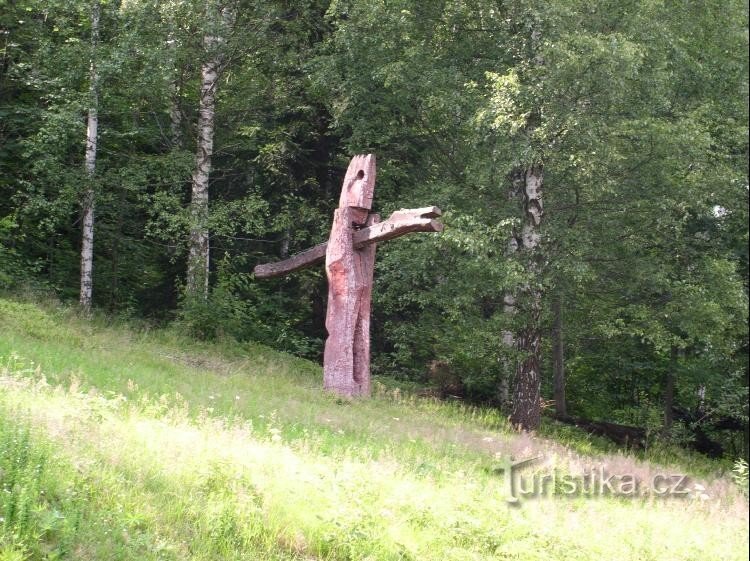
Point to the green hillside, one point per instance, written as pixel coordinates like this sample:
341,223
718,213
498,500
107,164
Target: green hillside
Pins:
139,444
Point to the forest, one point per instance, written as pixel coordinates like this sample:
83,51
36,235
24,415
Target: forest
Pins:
590,158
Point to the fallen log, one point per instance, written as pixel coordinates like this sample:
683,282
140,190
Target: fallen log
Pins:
624,435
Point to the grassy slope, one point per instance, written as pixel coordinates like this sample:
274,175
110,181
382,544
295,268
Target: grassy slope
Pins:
117,444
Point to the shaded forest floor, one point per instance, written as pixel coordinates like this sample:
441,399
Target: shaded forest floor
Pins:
124,443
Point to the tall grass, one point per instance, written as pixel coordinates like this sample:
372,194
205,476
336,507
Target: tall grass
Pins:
142,444
40,505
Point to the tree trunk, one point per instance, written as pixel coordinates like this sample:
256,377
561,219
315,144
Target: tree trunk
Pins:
198,257
87,241
526,414
558,358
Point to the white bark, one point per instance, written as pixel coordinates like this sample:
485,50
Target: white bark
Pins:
87,241
198,263
198,258
526,412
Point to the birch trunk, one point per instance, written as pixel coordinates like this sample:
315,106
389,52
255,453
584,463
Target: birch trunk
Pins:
87,239
198,257
526,413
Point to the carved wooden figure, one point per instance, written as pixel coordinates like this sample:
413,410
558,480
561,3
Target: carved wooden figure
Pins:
349,258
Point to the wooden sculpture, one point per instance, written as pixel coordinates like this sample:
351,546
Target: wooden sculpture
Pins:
349,258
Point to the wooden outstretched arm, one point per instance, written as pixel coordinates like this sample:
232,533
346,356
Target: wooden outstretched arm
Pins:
399,223
307,258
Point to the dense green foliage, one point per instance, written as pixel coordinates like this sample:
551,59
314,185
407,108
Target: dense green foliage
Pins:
636,109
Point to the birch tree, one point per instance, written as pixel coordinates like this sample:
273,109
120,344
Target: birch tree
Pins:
218,18
528,182
87,221
526,413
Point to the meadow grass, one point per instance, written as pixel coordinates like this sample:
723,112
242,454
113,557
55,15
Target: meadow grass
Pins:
134,443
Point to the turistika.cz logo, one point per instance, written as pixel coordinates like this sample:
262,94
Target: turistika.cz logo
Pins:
592,482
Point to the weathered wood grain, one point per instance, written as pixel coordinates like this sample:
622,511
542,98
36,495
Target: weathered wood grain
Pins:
349,256
346,359
401,222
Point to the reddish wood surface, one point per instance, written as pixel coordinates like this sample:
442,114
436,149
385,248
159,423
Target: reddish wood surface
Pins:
401,222
346,360
359,184
350,261
307,258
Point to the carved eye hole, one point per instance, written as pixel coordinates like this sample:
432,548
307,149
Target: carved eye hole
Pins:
360,174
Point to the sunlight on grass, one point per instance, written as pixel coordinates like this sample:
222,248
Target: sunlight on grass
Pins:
149,446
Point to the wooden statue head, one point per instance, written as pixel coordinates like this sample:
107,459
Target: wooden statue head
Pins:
359,183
